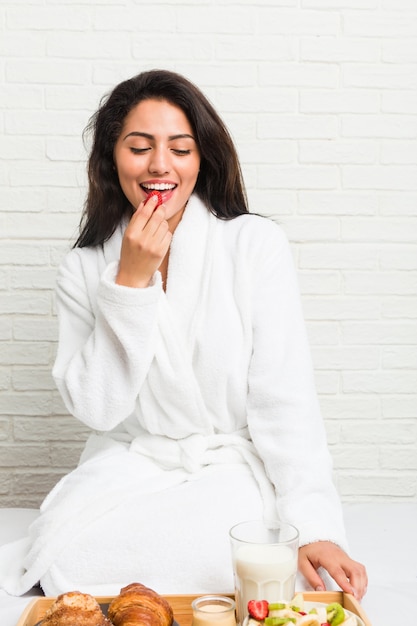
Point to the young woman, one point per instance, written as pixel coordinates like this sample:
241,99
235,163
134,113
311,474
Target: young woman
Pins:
182,345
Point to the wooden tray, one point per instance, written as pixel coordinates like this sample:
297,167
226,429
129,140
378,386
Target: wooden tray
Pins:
181,605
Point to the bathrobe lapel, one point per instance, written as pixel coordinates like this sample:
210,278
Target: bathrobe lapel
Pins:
170,401
190,265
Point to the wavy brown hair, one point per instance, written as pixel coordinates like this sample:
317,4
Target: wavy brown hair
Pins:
219,184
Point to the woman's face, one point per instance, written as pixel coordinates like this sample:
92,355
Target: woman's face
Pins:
156,150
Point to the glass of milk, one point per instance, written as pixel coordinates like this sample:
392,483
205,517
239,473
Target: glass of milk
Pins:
264,563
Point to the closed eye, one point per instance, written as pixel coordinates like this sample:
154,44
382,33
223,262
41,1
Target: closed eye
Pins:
181,152
139,150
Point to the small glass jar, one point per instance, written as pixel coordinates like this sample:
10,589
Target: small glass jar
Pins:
213,611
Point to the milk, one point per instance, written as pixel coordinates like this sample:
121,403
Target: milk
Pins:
263,572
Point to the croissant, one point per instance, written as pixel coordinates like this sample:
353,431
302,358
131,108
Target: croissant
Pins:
75,609
137,605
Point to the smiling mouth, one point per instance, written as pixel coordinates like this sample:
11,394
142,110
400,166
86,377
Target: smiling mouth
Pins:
158,187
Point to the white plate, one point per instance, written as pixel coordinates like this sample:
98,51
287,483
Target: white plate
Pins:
310,605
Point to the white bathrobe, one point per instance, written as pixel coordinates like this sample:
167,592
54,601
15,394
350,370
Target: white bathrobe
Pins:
204,409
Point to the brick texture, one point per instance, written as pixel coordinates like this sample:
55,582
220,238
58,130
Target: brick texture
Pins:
321,98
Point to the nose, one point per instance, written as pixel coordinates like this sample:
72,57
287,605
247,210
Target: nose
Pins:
159,162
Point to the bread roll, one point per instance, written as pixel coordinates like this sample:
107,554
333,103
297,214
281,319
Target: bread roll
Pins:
75,609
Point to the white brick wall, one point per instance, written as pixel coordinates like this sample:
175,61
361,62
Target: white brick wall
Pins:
321,98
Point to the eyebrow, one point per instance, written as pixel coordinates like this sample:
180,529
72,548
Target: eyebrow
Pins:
136,133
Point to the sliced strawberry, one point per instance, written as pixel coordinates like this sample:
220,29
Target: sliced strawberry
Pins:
258,609
157,193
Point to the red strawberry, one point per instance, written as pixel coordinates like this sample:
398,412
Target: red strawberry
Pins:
258,609
157,193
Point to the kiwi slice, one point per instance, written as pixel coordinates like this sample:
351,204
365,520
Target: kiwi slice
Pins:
277,606
335,613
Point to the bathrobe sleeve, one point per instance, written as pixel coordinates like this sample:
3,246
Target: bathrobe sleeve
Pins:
284,418
106,339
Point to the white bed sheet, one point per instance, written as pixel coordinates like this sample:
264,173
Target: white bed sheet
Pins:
381,535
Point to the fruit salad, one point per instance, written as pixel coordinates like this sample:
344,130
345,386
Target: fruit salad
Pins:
262,613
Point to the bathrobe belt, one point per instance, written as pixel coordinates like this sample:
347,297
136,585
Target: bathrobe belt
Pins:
197,451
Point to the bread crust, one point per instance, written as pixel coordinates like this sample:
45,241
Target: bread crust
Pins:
75,609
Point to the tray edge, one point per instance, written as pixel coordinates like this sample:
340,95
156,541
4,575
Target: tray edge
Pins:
32,612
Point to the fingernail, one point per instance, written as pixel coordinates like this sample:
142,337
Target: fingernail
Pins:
319,588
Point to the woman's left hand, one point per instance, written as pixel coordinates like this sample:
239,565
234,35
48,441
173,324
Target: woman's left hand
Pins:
349,575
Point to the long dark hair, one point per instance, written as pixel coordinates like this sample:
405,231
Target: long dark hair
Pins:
219,184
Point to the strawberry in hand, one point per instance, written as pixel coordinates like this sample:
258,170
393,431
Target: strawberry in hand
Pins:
157,193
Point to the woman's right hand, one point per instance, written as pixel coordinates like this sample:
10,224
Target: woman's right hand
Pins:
145,243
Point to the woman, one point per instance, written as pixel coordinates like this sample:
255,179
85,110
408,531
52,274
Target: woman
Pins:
182,345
